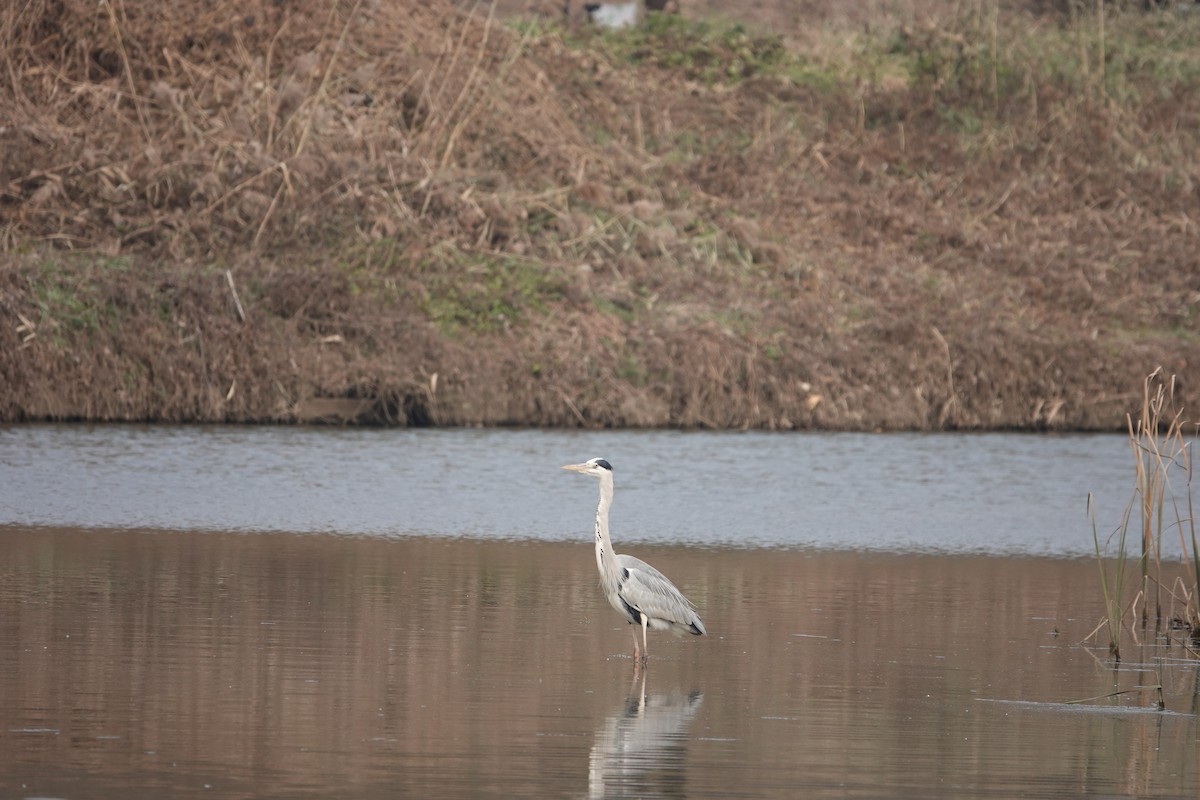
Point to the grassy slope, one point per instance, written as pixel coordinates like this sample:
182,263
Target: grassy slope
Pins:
431,217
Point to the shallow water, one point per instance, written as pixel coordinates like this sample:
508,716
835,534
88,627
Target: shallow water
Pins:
234,665
884,625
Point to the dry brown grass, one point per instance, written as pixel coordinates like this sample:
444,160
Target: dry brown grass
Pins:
193,130
436,216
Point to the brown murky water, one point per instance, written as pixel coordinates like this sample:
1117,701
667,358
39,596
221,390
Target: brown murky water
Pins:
171,664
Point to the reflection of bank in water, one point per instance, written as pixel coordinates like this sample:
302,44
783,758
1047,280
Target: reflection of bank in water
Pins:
641,751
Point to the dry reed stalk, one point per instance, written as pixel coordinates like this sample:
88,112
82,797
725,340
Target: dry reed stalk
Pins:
1193,606
269,139
284,184
457,108
126,68
448,70
470,100
237,301
1113,593
1158,445
322,88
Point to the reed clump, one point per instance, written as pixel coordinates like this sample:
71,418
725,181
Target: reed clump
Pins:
1160,510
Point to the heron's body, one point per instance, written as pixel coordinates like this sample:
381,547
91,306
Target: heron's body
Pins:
638,592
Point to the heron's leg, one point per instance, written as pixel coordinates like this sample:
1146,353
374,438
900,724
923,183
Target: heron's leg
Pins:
645,645
637,653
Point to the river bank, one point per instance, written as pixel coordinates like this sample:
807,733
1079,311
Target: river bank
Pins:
416,215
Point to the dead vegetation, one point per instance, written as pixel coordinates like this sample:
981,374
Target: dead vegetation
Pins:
410,213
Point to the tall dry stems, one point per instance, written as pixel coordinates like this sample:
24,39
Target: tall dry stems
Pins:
1160,451
1113,592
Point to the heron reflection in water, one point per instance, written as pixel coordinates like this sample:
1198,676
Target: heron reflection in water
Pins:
641,751
639,592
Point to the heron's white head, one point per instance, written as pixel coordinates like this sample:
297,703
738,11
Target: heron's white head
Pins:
596,467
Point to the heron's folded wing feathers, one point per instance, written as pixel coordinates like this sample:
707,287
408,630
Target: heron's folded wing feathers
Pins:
652,593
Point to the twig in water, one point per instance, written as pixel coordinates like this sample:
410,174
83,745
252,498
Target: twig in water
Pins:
1161,704
1096,630
1141,593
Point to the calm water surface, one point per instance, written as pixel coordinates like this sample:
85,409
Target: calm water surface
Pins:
1002,494
173,623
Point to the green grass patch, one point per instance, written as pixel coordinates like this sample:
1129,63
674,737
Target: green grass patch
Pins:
621,310
479,293
70,297
371,268
997,62
1178,327
630,370
698,49
737,321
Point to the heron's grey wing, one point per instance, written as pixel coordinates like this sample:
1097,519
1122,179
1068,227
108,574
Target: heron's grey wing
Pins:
652,593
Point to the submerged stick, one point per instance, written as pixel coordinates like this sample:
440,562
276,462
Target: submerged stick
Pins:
1158,688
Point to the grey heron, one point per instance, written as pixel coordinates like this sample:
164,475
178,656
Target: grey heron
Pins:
639,592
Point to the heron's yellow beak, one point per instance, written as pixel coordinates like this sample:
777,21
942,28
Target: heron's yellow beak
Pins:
575,467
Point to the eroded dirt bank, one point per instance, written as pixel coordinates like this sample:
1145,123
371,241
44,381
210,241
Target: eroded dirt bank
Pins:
405,213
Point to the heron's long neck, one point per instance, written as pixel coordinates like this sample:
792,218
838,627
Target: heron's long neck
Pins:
606,559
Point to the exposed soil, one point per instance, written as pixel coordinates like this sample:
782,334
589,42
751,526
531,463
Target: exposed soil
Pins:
409,213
